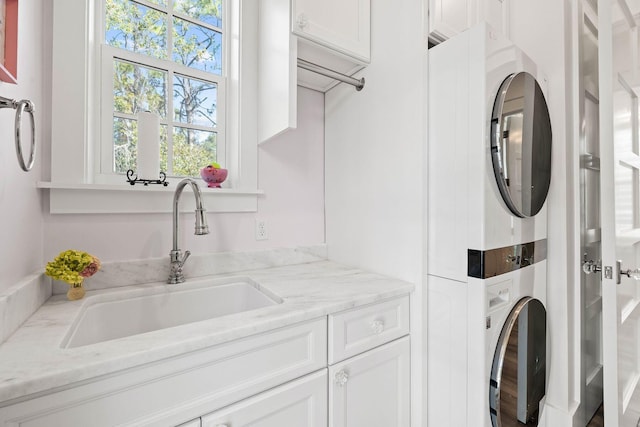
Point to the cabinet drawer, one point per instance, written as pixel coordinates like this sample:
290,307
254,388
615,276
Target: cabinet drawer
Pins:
182,388
355,331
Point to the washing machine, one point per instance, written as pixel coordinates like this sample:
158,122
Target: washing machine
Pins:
487,232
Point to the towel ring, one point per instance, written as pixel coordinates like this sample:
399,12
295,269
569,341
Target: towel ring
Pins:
21,107
27,106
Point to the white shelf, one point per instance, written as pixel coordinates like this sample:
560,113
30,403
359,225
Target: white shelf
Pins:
69,198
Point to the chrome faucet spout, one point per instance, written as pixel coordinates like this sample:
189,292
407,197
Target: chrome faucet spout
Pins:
177,260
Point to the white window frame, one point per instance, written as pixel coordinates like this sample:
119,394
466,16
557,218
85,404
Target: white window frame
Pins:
77,185
109,54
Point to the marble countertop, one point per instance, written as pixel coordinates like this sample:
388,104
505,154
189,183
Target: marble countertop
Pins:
33,361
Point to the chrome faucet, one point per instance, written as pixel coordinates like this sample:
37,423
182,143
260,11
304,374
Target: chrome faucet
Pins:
177,259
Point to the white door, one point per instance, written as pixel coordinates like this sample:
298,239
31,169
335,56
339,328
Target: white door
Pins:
372,389
620,208
300,403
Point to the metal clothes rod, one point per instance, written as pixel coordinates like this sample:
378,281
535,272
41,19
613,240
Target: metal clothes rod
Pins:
314,68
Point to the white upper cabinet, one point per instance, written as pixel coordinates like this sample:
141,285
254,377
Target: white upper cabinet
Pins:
340,25
334,34
450,17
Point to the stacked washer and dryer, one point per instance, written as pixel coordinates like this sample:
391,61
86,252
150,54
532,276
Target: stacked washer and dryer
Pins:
489,157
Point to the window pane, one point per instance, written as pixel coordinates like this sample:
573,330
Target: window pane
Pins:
208,11
196,46
163,149
192,150
125,142
137,88
125,137
194,101
137,28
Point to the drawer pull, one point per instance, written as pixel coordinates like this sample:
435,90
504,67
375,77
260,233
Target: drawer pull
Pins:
302,21
341,377
377,326
223,425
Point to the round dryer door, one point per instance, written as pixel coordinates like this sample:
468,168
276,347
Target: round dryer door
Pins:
518,373
521,144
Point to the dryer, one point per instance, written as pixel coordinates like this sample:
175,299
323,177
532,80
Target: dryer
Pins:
486,248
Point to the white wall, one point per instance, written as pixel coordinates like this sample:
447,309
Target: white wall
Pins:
374,148
291,173
21,222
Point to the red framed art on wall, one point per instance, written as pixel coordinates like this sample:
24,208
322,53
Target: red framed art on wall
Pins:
9,41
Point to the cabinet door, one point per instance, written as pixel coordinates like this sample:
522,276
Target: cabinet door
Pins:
450,17
278,73
300,403
372,389
496,14
341,25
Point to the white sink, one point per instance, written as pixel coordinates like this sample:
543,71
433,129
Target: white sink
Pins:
108,317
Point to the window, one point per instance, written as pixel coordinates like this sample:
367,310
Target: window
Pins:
83,169
166,57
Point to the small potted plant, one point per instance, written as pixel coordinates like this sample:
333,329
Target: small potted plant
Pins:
73,267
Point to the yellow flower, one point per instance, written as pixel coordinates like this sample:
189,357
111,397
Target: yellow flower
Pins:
72,266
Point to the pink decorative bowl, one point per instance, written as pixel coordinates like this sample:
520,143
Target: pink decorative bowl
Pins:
213,176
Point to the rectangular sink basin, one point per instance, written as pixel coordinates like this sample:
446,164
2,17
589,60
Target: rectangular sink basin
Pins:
107,317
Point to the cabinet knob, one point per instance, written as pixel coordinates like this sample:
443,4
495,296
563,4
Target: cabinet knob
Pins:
341,377
377,326
302,21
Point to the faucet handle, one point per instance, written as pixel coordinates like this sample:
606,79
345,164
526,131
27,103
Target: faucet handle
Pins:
184,258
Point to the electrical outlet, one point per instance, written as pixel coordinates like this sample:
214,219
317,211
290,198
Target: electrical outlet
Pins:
261,229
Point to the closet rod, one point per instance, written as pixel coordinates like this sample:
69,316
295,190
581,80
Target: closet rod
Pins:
314,68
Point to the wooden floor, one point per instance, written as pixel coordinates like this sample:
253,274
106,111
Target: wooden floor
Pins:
598,419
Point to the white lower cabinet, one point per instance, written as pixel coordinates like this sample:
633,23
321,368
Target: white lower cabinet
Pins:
175,390
279,378
300,403
372,389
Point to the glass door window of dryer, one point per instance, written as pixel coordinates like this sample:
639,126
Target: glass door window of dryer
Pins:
521,144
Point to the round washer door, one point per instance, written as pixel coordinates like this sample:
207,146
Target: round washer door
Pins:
521,144
518,372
